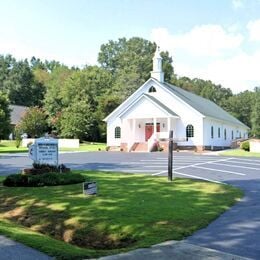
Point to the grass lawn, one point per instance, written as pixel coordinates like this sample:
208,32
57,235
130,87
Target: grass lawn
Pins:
87,147
9,147
130,211
239,152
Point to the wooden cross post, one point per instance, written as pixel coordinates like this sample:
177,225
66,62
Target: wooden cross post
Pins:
170,155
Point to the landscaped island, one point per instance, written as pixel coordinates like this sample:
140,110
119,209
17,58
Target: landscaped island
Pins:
130,211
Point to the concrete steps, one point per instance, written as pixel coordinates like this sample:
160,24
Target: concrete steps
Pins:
139,147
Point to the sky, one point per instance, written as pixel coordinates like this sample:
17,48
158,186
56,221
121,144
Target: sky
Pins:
212,40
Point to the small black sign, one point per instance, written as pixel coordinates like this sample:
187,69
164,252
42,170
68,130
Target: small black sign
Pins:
90,188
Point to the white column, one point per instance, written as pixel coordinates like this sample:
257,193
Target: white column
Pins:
168,124
133,132
154,127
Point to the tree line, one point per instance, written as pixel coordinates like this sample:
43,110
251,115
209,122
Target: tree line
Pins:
71,102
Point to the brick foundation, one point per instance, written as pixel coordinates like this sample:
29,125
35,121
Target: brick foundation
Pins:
123,147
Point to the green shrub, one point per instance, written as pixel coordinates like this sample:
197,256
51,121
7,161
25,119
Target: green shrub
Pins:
45,179
50,168
245,146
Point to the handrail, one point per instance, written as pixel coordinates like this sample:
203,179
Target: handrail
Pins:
151,141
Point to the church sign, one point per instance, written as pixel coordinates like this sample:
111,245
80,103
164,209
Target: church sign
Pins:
44,151
90,188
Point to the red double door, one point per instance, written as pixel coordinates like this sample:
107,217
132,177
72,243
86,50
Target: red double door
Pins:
149,130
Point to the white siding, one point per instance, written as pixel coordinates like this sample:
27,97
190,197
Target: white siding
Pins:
132,115
111,125
216,141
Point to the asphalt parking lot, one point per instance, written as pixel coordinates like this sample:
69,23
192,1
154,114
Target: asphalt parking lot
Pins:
207,167
237,231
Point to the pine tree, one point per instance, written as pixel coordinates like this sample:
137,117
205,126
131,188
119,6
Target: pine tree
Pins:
255,117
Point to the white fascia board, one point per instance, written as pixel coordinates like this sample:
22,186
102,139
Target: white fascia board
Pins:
143,96
183,102
129,99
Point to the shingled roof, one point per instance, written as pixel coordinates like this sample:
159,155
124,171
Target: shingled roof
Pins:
202,105
16,113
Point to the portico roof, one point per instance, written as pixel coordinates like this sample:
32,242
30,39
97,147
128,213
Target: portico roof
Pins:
167,112
160,104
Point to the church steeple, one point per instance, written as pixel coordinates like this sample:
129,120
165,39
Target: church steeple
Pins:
157,72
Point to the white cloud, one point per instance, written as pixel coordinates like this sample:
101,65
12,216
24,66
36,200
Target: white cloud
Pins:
237,4
239,73
14,44
212,53
204,40
254,30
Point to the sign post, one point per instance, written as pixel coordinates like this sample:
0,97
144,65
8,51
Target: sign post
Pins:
170,155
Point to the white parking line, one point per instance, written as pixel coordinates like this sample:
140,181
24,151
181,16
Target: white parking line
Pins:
243,159
236,166
200,178
183,159
191,165
216,170
155,166
151,162
158,173
246,163
221,160
127,170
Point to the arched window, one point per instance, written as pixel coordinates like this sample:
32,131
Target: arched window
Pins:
189,131
212,132
225,134
152,89
117,132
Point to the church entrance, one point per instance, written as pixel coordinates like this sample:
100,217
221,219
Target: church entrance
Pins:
149,130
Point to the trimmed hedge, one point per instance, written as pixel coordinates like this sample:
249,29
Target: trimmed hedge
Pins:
45,179
44,168
245,146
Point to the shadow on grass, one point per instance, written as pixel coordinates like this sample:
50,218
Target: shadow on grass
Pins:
130,211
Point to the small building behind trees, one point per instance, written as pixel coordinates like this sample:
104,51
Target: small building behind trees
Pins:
17,112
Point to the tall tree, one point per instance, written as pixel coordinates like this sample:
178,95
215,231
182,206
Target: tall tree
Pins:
5,121
33,122
255,118
130,62
17,81
77,120
53,101
240,106
89,84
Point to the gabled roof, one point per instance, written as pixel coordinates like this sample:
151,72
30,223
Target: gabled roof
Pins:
202,105
16,113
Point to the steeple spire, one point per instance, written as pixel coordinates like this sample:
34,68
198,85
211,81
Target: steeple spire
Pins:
157,72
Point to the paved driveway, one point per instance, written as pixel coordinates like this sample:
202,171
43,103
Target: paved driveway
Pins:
236,231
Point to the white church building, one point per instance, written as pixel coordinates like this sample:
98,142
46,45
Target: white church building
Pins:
146,117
